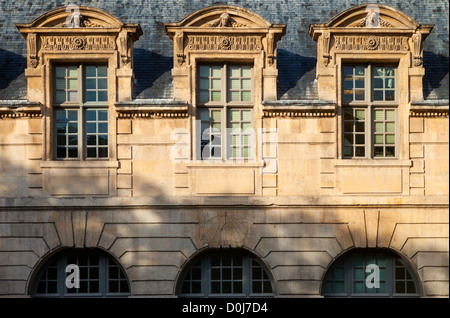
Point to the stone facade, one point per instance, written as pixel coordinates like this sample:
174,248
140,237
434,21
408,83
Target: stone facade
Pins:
154,205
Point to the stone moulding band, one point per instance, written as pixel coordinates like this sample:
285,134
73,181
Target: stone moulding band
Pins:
20,110
152,109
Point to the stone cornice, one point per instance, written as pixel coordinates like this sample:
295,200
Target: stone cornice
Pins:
152,108
299,108
430,108
19,109
242,202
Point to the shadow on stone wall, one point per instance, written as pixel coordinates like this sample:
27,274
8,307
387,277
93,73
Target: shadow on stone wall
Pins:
435,86
291,69
12,66
152,74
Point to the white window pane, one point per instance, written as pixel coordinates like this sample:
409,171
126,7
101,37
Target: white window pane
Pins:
246,126
246,96
246,71
246,84
390,114
72,96
235,115
390,127
390,139
235,84
72,71
216,83
216,71
379,115
235,71
379,127
246,115
216,96
73,83
379,139
216,115
235,96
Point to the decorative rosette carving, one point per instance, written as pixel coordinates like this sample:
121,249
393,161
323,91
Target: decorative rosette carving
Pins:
79,43
372,43
225,43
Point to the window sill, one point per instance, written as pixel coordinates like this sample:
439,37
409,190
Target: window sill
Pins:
224,164
76,164
373,163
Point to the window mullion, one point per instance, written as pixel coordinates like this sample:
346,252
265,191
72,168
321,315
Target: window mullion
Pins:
225,143
369,125
81,130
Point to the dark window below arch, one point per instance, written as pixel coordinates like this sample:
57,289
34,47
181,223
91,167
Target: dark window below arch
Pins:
225,274
353,275
99,276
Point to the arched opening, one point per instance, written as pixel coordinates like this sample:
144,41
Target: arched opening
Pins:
81,273
225,273
370,273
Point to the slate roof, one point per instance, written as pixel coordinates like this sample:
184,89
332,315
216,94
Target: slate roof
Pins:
153,51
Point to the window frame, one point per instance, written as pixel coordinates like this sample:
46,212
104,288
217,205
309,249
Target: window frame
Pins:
226,106
206,280
81,106
390,277
62,260
370,105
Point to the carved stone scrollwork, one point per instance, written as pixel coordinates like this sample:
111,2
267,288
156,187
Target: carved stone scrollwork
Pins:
76,43
417,44
124,48
32,49
78,21
270,48
179,42
372,42
225,21
326,48
218,42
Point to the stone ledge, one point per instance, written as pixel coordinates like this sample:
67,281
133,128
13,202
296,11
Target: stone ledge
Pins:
19,108
299,108
75,164
430,108
152,108
250,202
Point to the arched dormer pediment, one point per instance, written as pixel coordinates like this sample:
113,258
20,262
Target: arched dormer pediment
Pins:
223,16
63,18
372,15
